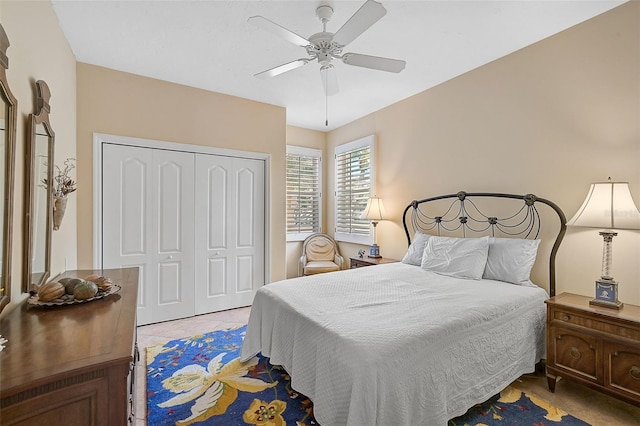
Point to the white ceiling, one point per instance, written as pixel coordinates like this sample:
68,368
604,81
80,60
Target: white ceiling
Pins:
210,45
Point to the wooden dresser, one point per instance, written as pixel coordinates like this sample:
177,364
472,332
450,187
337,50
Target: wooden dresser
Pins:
596,346
73,364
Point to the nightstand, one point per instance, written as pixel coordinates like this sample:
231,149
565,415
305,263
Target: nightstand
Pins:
360,262
595,346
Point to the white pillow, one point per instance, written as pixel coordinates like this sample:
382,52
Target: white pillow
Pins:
511,260
414,253
456,257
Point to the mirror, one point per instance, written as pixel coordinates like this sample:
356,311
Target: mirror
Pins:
39,196
8,117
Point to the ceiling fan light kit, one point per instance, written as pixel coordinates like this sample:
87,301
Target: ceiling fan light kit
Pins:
325,46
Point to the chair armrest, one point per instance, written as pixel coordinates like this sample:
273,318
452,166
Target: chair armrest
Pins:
339,260
301,263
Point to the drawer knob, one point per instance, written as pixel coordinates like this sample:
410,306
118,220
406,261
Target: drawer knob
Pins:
565,317
575,353
635,372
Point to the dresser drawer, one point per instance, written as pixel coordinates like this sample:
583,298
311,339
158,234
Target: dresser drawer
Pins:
83,403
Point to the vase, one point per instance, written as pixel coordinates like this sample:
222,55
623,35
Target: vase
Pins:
59,207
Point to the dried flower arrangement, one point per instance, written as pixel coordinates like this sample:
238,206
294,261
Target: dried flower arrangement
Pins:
63,186
63,183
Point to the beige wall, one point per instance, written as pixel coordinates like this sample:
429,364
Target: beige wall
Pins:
125,104
39,51
549,119
309,139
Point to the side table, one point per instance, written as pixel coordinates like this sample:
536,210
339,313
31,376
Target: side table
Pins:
360,262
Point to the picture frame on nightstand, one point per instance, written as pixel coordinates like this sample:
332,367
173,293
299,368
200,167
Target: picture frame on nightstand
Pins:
606,294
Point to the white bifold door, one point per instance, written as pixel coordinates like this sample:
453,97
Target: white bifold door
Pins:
192,222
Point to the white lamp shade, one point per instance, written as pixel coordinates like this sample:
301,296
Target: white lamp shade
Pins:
608,205
374,210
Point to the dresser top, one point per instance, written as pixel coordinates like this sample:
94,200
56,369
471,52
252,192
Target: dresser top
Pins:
45,341
628,312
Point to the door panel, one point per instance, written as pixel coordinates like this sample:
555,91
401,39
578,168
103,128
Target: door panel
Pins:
217,277
246,211
142,289
133,189
170,197
217,198
245,273
232,205
169,283
126,196
173,183
147,198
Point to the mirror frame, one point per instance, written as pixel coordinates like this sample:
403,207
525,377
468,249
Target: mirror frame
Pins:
43,94
11,109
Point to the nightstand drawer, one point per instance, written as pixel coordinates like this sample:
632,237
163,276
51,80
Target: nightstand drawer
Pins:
577,353
562,317
622,369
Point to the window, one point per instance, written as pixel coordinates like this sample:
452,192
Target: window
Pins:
354,183
304,192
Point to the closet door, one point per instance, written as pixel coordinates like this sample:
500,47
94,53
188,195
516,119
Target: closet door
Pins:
148,221
229,231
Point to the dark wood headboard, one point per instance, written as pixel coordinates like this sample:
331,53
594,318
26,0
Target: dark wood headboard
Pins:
464,214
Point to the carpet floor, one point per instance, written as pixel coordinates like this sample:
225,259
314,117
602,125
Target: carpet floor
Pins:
199,380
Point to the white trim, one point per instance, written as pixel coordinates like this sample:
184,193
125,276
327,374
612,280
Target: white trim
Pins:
358,143
99,139
300,150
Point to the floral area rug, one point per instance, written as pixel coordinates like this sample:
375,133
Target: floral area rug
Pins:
199,381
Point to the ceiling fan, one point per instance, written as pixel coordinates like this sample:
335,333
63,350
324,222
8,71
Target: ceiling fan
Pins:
326,46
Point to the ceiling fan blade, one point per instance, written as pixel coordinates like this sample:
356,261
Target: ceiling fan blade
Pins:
373,62
279,30
329,80
282,68
368,14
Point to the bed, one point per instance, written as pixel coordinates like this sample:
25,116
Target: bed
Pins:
420,341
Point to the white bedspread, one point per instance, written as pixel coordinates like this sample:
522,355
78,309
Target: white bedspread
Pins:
396,345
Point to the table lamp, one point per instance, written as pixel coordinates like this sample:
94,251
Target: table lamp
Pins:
375,213
608,206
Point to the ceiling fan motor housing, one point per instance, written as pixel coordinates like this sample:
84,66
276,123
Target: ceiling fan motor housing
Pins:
323,47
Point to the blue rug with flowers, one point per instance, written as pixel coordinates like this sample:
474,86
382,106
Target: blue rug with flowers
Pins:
199,381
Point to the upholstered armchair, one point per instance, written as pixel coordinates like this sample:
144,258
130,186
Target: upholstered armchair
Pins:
319,254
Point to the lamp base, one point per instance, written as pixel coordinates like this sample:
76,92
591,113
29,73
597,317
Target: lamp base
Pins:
606,294
611,305
374,251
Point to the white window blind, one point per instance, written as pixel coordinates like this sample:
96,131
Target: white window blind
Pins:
304,192
354,180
